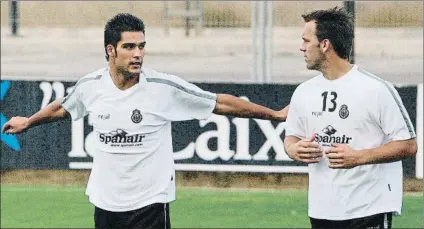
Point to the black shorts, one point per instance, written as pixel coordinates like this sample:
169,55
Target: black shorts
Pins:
378,221
151,216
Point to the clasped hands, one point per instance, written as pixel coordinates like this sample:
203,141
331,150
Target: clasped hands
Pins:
340,156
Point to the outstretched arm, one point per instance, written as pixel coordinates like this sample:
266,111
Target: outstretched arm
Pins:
50,113
230,105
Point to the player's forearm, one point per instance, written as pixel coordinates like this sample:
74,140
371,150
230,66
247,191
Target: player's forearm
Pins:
390,152
50,113
231,105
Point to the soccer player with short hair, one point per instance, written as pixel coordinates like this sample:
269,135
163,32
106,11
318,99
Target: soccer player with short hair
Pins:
132,179
352,129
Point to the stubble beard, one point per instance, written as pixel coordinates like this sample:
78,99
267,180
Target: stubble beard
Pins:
314,66
127,74
317,64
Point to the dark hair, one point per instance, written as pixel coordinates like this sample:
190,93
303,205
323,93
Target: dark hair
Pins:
120,23
335,25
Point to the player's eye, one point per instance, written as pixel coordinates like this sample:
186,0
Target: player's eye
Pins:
128,46
142,45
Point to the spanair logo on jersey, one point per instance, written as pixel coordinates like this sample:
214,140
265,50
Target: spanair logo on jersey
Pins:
136,116
329,130
120,138
329,134
343,112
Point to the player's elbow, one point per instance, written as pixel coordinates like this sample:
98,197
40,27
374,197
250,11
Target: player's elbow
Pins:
411,148
227,104
221,106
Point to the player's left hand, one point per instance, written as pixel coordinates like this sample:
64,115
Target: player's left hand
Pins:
341,156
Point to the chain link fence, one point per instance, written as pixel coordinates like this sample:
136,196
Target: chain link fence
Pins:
215,14
388,37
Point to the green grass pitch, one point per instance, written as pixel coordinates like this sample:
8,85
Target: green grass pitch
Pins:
68,207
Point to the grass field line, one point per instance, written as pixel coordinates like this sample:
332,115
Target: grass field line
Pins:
54,188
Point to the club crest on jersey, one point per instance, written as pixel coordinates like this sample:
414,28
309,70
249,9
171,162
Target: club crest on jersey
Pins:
343,112
136,116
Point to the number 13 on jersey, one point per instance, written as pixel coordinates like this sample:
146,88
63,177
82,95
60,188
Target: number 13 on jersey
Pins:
333,97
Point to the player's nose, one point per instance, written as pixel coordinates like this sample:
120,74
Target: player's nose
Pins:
138,53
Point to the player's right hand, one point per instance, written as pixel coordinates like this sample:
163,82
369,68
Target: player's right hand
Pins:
306,150
15,125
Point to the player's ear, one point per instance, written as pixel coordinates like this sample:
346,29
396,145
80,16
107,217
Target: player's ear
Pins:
325,45
110,50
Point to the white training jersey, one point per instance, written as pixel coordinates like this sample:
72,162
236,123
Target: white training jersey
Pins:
133,165
364,112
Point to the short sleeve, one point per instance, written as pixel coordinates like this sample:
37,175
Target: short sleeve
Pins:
187,101
295,125
73,103
392,115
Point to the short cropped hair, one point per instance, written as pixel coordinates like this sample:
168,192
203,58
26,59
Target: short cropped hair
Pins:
120,23
337,26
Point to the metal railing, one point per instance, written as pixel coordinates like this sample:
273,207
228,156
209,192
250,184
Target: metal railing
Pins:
211,14
187,14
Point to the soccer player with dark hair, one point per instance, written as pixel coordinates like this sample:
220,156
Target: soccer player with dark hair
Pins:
132,180
352,129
